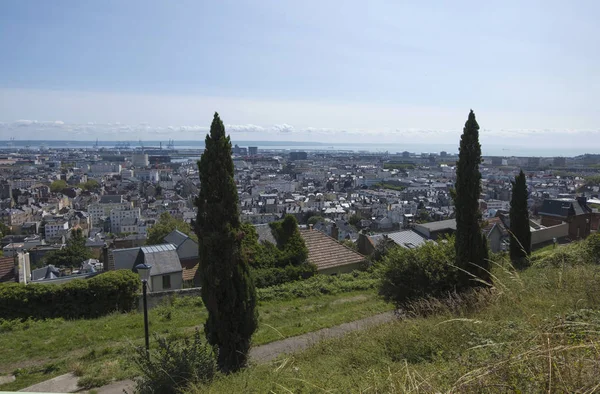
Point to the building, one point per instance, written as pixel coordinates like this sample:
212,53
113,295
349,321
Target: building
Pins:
55,228
102,209
435,230
298,156
187,250
253,150
575,212
166,271
118,217
330,256
7,269
140,160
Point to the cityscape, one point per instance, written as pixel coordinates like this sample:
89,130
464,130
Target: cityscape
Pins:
299,197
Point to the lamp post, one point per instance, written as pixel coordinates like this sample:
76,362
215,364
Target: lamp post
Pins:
144,273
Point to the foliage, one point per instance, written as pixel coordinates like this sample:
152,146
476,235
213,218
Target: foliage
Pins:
79,298
471,244
520,233
289,241
389,185
164,226
349,244
320,284
57,185
174,365
227,288
355,219
428,270
90,185
73,254
266,277
4,230
315,219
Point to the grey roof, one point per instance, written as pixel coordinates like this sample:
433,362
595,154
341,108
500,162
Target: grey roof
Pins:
106,199
557,207
441,225
407,238
163,258
264,233
128,221
175,237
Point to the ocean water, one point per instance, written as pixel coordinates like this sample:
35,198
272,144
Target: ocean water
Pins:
487,150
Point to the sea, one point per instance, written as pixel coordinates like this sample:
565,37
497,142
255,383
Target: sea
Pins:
309,146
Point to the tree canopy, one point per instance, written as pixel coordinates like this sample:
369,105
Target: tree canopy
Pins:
57,185
164,226
73,254
520,232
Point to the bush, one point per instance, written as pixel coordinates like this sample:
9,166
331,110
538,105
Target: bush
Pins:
592,248
318,285
411,274
266,277
174,365
79,298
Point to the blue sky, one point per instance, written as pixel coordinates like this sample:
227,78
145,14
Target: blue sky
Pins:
287,70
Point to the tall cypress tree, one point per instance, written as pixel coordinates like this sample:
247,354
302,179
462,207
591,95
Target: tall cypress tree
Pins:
520,233
471,244
227,288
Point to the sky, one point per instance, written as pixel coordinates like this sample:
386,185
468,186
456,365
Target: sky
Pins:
328,71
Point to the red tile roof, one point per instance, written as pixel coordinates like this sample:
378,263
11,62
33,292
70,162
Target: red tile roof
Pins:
325,252
7,269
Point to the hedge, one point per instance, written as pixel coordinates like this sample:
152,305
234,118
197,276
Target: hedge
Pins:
80,298
266,277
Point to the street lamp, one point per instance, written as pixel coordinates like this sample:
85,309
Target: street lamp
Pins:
144,273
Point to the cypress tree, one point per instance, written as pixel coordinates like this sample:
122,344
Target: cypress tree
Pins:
227,287
471,244
520,233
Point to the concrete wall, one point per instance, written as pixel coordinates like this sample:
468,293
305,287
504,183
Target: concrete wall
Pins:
549,233
156,298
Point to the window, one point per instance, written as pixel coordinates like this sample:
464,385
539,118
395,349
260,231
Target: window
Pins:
166,282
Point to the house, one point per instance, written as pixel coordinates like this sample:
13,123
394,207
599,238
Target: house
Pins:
166,272
435,230
497,234
7,269
330,256
575,212
187,250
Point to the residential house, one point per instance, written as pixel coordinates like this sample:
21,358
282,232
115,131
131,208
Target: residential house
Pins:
187,250
575,212
166,272
330,256
435,230
7,269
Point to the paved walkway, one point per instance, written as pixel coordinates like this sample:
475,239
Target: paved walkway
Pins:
261,354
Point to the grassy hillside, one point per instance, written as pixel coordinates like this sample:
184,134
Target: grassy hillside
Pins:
97,349
537,331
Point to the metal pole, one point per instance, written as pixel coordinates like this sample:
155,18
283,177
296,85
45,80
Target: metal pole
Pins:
146,320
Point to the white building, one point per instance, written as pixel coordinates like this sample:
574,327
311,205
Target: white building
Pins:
140,160
105,168
120,216
102,210
147,175
53,229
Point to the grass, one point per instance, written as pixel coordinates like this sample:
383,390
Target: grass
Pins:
96,349
536,331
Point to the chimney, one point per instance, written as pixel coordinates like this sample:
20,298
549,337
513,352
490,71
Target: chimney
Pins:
335,232
310,226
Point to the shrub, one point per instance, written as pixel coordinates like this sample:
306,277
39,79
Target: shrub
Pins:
320,284
174,365
266,277
592,248
410,274
79,298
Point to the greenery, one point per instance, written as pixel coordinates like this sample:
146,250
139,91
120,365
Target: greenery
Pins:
4,230
266,277
73,255
315,219
227,287
173,365
37,350
470,244
164,226
426,271
78,298
520,233
536,330
389,185
90,185
57,185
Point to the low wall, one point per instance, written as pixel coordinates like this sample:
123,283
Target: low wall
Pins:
156,298
549,233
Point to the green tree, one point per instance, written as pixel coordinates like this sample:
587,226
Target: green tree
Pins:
471,244
164,226
91,184
520,233
315,219
227,287
73,254
57,185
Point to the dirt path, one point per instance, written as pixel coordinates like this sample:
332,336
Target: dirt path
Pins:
259,354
